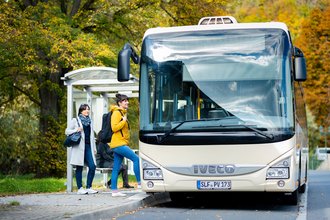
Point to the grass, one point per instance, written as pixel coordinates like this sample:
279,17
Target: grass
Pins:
314,163
6,206
14,203
97,182
27,184
15,185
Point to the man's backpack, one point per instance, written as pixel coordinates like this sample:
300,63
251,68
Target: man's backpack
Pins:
106,132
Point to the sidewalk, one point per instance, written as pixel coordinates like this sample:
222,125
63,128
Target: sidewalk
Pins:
72,206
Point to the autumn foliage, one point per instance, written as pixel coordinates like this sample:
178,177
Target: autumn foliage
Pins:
314,41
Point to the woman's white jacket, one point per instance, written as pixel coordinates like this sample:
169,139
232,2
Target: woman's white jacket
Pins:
78,151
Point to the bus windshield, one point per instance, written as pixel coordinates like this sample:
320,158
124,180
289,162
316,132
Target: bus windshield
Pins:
216,79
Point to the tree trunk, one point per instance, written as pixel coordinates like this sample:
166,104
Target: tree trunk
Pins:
50,107
75,7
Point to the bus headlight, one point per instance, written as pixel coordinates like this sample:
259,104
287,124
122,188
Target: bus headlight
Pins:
278,173
151,172
281,170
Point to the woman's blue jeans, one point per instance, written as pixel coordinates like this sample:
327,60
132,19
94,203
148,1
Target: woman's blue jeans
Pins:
91,168
119,154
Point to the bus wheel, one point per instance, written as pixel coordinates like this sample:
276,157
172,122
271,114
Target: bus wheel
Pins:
292,198
302,189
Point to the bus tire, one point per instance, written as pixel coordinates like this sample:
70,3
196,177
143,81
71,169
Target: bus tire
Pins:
292,199
302,188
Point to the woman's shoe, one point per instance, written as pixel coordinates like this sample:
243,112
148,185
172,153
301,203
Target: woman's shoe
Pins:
91,191
82,191
118,194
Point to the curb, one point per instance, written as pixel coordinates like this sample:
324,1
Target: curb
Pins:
302,206
133,203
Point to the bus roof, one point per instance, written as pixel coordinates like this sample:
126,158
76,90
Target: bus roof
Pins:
238,26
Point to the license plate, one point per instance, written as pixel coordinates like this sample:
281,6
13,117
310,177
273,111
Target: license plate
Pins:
213,185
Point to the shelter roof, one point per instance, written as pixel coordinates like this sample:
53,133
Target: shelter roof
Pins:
102,80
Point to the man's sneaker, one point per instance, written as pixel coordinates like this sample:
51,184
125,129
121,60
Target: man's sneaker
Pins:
82,191
91,191
118,194
139,187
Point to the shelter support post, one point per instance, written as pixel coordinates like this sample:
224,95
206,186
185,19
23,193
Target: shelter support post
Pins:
105,103
89,100
69,117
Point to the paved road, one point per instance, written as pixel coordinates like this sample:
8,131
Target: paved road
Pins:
247,206
318,202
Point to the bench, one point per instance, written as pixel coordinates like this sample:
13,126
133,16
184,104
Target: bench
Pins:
105,172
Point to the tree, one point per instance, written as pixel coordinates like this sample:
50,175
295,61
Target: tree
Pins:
314,41
40,43
288,11
189,12
313,132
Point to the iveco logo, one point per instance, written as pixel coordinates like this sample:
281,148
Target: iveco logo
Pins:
213,169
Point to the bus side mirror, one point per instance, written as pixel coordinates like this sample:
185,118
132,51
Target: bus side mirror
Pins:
124,62
300,72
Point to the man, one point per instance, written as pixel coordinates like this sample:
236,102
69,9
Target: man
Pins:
105,160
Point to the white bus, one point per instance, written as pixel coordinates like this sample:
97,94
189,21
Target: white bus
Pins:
221,108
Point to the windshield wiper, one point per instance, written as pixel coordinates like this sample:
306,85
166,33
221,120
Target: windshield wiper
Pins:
162,138
168,133
269,136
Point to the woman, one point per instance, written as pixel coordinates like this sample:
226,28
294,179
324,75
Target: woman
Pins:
120,142
84,153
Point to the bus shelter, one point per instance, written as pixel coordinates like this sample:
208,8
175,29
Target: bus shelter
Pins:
93,86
